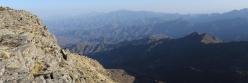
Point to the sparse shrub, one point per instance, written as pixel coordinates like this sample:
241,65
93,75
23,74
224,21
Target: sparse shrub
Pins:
2,8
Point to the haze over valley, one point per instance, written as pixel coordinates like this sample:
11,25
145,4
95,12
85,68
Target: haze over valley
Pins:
155,43
119,26
111,41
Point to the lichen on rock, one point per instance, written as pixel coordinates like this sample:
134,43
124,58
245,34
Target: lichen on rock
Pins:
29,53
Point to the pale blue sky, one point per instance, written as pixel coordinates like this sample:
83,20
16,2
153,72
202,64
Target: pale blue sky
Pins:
169,6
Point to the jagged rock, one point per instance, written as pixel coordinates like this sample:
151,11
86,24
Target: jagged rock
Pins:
30,54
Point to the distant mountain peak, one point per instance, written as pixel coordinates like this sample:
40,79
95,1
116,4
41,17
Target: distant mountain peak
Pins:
194,34
202,37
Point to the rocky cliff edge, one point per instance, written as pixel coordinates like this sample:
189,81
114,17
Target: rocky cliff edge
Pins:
30,54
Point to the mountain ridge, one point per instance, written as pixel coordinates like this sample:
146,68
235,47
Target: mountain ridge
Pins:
202,37
182,60
90,34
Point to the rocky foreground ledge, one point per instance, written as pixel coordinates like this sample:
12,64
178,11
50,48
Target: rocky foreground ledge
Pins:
30,54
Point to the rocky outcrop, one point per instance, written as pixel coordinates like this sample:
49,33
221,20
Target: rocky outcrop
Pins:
30,54
202,38
121,76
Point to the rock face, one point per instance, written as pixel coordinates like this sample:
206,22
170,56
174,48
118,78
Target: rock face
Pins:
29,53
121,76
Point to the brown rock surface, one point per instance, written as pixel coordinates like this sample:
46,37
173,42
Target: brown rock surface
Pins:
30,54
120,76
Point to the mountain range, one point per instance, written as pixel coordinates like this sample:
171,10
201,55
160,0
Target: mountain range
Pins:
161,47
133,46
90,33
195,58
